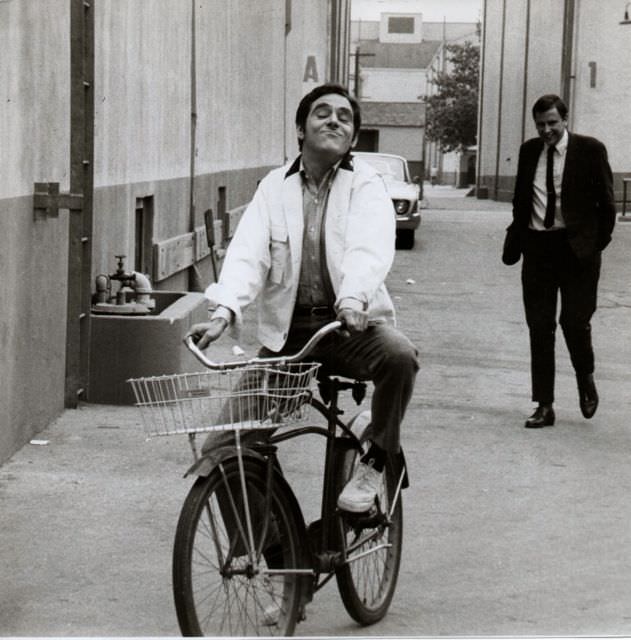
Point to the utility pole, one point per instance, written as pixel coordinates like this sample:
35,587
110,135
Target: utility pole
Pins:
359,55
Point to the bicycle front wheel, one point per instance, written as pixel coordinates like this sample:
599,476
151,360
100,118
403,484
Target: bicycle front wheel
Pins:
372,544
223,585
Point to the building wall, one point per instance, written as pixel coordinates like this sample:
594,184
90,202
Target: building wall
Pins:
602,110
403,141
143,107
390,31
34,126
364,30
307,60
248,79
523,58
449,31
393,85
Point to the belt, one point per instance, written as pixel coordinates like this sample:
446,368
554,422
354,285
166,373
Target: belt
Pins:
318,312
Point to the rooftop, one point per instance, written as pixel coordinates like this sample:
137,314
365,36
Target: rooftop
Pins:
391,55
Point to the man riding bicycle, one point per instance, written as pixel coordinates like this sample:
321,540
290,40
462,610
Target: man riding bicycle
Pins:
315,244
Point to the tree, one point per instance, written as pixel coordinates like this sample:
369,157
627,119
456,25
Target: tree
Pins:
452,112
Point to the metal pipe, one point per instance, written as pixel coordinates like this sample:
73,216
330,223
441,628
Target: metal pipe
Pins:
192,279
103,288
498,146
141,282
568,46
478,172
524,99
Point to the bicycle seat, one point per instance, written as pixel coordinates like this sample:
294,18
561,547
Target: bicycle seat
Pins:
327,382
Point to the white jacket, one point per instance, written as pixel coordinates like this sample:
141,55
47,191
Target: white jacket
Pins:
264,256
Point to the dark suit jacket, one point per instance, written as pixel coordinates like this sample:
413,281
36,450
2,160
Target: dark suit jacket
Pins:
587,200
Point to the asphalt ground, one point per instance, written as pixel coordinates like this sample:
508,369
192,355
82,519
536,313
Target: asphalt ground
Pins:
508,531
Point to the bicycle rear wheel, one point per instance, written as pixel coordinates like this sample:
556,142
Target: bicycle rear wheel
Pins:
373,544
220,587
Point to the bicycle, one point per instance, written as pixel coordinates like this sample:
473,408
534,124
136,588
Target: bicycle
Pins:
244,560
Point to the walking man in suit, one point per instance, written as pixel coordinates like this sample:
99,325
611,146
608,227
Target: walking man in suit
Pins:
563,209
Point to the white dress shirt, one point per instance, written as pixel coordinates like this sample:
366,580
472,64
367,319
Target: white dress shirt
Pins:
540,192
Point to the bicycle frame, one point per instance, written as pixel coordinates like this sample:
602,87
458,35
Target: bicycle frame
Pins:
331,413
326,560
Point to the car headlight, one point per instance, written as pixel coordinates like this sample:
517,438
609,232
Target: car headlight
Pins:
401,206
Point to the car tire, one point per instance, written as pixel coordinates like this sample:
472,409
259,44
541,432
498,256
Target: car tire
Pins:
405,239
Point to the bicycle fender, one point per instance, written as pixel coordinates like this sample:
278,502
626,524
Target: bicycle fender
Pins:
210,460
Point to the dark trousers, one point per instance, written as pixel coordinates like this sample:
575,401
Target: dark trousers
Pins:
550,268
380,354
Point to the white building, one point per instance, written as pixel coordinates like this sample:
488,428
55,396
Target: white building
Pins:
578,49
143,115
393,62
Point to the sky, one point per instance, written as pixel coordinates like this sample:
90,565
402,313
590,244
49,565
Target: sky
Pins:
432,10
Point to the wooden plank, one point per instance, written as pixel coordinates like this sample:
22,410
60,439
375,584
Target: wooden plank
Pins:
172,255
180,252
201,244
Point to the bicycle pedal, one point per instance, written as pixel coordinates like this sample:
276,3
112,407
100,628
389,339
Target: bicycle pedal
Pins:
327,561
271,615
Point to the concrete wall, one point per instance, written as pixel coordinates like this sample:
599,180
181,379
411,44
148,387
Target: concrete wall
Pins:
602,110
402,141
34,138
393,85
248,79
307,60
144,102
522,53
450,31
522,57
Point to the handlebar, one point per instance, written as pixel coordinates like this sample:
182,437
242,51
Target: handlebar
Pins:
301,355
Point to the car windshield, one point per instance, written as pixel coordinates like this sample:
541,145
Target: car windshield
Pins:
389,167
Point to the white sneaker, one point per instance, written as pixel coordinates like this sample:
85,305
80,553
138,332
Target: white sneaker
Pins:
361,490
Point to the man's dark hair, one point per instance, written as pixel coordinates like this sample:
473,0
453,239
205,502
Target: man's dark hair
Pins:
550,101
305,105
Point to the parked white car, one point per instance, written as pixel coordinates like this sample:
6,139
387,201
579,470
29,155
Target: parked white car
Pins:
405,192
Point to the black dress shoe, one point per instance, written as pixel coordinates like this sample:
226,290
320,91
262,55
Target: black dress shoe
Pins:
587,395
542,417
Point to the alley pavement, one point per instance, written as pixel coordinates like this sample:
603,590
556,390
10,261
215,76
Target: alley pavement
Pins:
508,531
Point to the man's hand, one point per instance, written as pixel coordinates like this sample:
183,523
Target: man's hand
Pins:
204,333
354,321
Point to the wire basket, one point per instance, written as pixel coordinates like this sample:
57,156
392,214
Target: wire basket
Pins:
252,397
